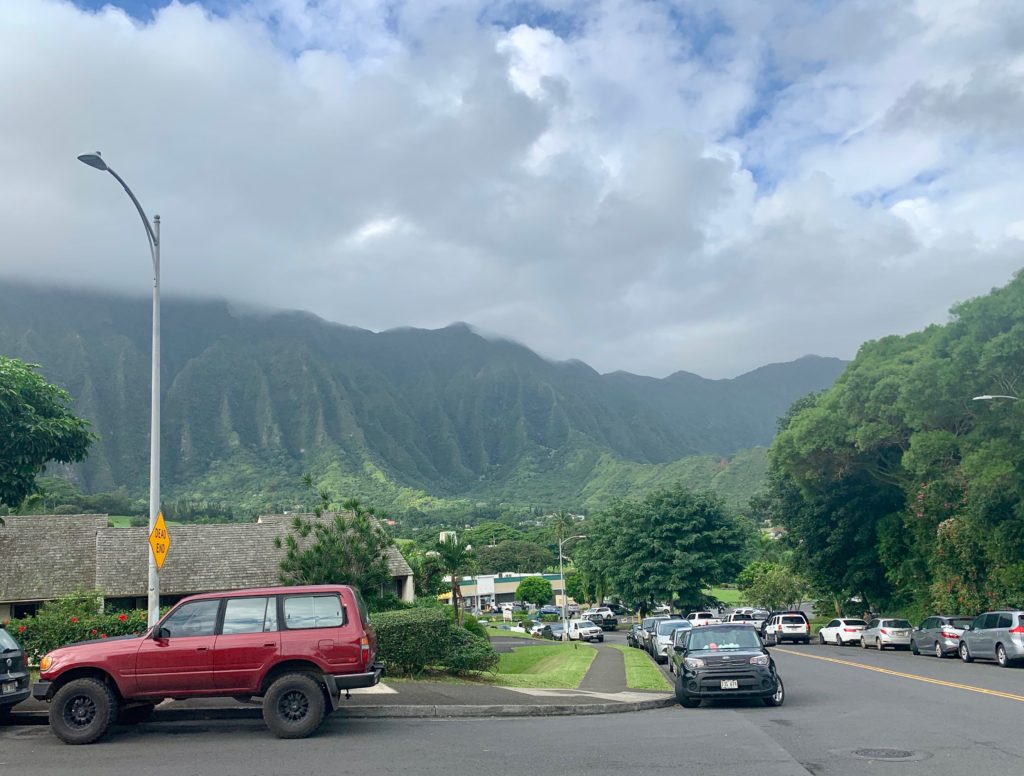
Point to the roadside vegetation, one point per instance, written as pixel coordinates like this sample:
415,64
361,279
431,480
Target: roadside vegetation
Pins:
641,672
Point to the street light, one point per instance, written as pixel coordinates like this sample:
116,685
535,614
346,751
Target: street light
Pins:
153,236
987,397
561,574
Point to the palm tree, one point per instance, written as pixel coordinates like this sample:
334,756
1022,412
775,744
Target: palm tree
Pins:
455,559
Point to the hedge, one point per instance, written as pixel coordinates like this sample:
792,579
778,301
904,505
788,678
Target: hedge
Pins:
411,640
69,620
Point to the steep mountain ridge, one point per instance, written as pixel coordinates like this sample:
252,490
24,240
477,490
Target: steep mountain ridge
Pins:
250,399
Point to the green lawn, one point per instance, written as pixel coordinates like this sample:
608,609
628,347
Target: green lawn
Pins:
509,634
641,672
556,666
727,595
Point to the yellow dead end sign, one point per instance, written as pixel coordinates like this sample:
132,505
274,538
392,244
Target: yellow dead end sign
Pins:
160,540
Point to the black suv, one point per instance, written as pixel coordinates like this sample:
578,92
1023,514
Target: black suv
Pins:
725,661
13,673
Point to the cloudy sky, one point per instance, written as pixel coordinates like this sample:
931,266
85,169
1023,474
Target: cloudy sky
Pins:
649,186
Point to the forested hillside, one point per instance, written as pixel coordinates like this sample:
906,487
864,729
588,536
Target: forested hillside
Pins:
406,419
897,486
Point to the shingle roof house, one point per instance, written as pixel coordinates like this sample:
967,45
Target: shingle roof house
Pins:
47,556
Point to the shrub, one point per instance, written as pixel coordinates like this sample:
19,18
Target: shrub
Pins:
71,619
410,640
385,603
467,652
550,618
472,624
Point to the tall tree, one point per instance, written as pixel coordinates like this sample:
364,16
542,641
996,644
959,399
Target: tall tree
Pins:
534,590
455,559
671,545
349,548
516,555
38,427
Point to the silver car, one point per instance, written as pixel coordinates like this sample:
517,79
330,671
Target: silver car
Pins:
995,636
939,635
885,632
662,641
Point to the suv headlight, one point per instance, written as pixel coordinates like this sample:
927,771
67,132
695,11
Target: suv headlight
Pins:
759,660
693,663
46,663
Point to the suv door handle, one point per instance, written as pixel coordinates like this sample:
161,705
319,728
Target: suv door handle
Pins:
202,649
270,644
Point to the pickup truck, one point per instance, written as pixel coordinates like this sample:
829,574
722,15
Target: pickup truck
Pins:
702,618
299,648
603,617
584,630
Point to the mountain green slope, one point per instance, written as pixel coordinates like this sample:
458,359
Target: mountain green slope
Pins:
405,419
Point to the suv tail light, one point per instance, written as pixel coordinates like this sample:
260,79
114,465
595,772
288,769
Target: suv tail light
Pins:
364,650
949,635
1018,629
883,631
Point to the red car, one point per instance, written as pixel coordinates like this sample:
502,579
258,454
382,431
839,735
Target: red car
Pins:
297,647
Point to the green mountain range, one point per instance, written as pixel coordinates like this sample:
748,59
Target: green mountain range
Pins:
406,419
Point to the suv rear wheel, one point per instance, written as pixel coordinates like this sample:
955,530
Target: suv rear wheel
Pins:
294,706
82,710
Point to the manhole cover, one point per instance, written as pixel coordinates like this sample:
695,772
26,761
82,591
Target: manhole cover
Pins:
899,755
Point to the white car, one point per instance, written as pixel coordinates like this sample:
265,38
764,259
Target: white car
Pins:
841,631
585,630
664,631
782,627
702,618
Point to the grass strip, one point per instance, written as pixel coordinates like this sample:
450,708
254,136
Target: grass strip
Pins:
641,672
554,666
507,634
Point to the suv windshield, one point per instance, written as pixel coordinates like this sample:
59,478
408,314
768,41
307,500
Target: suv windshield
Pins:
793,620
724,638
896,624
7,641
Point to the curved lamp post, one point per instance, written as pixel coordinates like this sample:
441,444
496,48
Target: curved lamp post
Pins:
561,575
153,236
987,397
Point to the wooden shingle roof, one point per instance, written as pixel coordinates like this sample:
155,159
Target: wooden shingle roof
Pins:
46,556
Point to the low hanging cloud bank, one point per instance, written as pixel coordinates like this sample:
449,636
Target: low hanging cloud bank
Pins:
641,187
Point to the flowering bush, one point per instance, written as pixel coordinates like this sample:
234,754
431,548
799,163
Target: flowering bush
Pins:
74,618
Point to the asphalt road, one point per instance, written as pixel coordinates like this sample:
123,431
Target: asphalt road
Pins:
949,717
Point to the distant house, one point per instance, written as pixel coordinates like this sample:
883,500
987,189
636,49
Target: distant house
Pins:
47,556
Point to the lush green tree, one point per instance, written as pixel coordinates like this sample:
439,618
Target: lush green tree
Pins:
895,484
347,549
513,555
671,545
490,534
771,585
534,590
455,559
350,548
38,427
427,574
575,587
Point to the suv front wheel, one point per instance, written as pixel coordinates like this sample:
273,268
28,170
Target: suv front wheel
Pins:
294,706
82,710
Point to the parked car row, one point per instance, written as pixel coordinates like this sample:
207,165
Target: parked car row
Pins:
997,635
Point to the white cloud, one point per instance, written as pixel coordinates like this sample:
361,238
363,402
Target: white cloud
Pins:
644,186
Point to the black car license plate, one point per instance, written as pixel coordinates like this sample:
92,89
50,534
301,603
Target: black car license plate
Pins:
730,684
8,688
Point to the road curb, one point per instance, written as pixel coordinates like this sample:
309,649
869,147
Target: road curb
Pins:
408,711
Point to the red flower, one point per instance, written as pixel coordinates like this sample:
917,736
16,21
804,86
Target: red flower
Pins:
93,632
21,629
123,617
74,619
103,635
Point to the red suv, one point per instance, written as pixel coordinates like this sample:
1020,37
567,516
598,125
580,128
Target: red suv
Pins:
297,647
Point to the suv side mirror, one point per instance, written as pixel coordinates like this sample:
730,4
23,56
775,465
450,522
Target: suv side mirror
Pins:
679,649
161,633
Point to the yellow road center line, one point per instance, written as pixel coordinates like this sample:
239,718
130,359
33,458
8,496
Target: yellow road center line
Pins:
956,685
